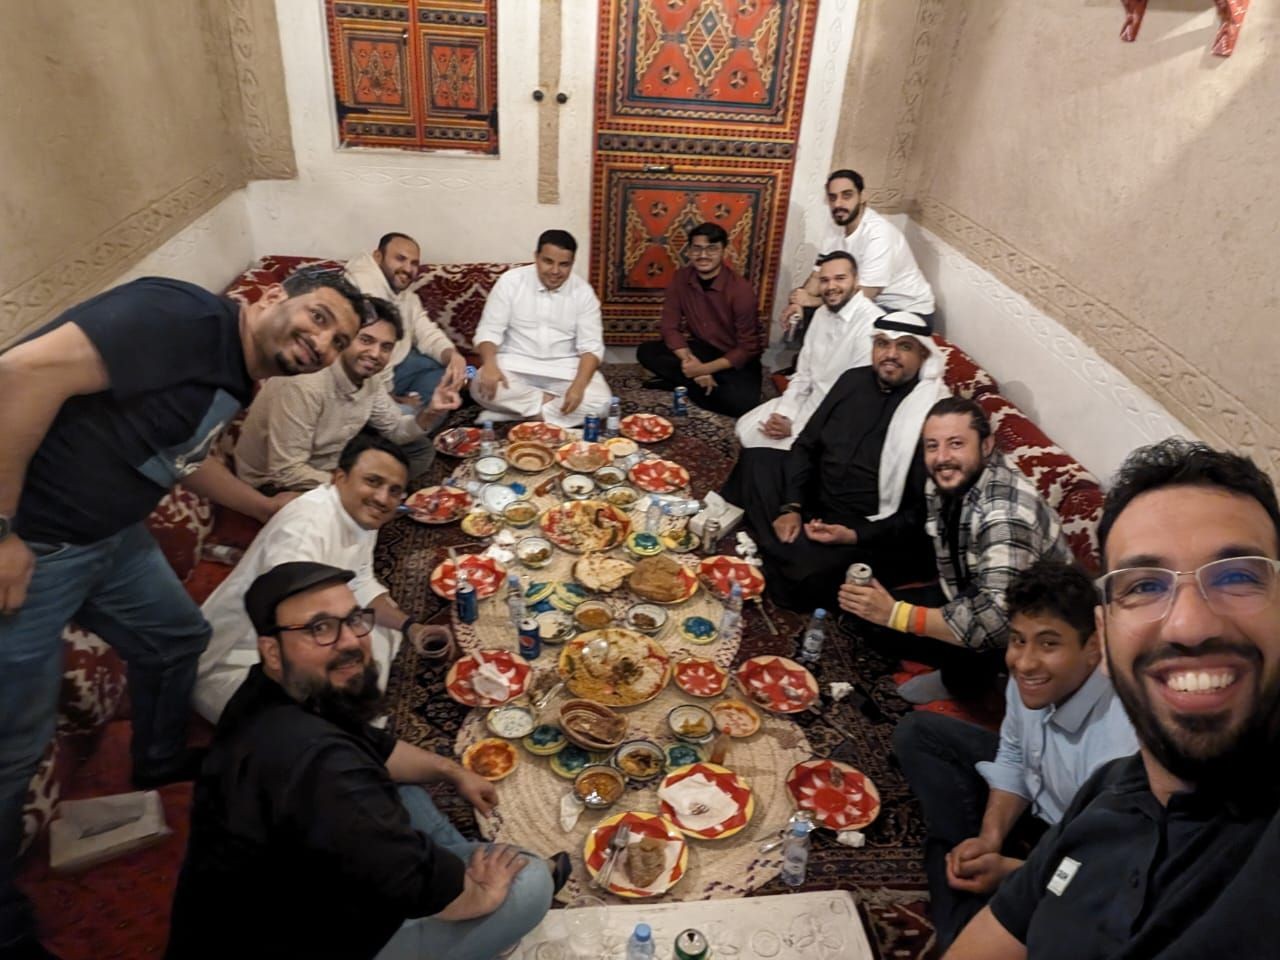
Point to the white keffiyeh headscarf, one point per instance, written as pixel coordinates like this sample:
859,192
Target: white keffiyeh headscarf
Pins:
903,436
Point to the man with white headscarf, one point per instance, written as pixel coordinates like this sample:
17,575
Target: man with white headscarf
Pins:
851,489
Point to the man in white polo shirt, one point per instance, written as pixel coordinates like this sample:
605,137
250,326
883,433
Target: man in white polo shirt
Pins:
541,341
887,270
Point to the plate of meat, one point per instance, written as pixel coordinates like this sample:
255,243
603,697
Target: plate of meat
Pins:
646,427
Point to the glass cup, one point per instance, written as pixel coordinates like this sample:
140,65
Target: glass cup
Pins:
584,922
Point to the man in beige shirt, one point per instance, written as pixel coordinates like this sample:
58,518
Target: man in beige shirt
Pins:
424,355
292,437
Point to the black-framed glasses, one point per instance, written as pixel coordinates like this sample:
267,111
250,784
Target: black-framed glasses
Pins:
1236,586
324,631
709,250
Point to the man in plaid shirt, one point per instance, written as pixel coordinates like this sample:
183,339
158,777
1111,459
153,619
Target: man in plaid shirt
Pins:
987,522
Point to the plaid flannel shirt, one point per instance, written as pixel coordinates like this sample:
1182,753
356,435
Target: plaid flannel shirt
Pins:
1005,527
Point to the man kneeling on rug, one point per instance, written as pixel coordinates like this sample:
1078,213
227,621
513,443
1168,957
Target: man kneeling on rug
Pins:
311,833
337,524
1062,721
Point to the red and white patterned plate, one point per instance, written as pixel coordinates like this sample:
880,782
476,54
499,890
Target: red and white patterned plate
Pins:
700,677
646,427
659,476
840,797
539,430
645,825
729,783
582,456
457,683
777,684
721,573
458,441
485,574
437,505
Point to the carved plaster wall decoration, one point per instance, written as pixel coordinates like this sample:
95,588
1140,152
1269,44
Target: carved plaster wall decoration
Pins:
37,298
1230,11
891,196
1174,380
548,106
259,78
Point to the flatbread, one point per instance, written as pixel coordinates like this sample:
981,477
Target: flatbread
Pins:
595,571
660,579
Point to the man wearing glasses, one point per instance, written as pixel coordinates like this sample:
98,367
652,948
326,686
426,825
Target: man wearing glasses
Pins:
337,524
311,835
1174,852
711,338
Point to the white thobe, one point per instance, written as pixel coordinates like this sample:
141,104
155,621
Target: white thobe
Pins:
834,343
541,335
884,260
316,527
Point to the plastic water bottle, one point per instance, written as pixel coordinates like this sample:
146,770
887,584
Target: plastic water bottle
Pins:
653,516
814,636
488,439
795,855
613,422
732,615
515,598
640,944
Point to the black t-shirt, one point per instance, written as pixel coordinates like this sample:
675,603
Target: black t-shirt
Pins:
299,845
177,372
1125,878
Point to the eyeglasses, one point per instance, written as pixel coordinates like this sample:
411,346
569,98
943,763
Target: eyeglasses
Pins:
709,250
1235,586
324,631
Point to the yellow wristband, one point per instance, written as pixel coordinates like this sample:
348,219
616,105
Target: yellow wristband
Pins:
902,616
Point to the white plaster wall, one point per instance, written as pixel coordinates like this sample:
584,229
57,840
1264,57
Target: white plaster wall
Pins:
1080,400
460,207
807,215
211,252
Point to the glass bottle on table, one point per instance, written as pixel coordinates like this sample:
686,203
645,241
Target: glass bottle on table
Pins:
488,439
515,599
815,635
613,420
795,854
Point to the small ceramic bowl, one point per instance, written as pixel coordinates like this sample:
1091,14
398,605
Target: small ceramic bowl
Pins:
555,627
530,457
609,476
683,754
641,544
640,760
520,513
577,486
534,552
599,786
491,468
692,723
510,722
622,496
592,615
646,617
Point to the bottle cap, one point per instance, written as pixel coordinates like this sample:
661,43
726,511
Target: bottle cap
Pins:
736,589
800,829
819,614
513,580
643,932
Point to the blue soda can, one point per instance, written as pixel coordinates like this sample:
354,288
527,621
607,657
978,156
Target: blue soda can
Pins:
591,428
680,402
530,639
468,605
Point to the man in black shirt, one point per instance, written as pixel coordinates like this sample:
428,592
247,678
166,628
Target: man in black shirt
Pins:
1174,853
101,412
310,833
851,488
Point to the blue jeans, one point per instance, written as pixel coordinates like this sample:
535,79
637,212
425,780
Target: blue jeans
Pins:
417,373
527,901
124,590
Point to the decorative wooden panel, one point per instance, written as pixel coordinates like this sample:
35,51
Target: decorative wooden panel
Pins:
416,74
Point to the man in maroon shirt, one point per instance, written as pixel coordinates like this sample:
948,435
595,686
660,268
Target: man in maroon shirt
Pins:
711,338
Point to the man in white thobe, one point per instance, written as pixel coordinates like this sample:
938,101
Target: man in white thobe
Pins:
541,342
424,355
839,339
336,524
887,269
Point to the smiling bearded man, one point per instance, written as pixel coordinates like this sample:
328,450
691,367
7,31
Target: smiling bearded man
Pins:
1172,853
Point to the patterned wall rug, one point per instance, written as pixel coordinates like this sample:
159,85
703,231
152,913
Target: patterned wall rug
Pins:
887,875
